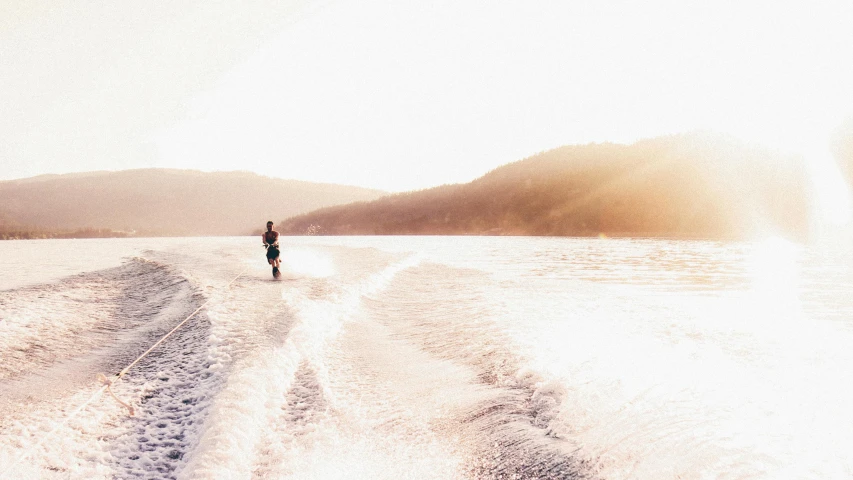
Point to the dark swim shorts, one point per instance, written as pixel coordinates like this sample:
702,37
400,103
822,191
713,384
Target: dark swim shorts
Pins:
272,253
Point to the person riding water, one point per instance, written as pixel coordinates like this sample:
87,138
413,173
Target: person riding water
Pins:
270,239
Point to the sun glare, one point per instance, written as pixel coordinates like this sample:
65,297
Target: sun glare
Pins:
832,195
832,203
774,268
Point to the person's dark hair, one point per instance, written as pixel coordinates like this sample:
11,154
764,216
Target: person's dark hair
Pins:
270,223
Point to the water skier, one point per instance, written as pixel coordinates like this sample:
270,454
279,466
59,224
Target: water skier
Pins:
270,239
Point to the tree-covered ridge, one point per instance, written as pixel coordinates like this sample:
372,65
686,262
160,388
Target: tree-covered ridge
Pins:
13,234
160,202
696,185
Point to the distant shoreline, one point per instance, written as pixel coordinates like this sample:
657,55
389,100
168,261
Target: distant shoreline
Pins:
48,235
84,234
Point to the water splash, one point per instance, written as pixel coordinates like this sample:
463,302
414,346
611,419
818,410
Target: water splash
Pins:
299,262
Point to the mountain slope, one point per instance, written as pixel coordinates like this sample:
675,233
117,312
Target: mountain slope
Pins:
164,201
686,185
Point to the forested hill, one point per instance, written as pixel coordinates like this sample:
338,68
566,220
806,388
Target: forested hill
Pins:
162,201
696,185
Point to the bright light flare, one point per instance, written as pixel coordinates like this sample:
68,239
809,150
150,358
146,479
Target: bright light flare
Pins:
775,271
832,195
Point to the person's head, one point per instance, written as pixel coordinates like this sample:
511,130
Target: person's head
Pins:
269,225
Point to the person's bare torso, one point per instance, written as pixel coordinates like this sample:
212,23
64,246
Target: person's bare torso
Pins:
271,237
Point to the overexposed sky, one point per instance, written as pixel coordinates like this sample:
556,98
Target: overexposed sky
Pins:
404,95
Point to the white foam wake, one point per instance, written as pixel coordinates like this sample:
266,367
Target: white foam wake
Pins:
245,428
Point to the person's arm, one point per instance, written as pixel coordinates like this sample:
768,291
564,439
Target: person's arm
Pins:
264,239
275,242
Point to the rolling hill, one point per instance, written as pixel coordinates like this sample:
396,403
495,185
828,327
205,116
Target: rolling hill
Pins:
163,201
691,185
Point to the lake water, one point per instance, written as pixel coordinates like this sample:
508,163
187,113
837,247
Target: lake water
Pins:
427,357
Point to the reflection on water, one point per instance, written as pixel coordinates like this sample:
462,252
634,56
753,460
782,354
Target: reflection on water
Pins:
699,357
676,264
473,357
662,359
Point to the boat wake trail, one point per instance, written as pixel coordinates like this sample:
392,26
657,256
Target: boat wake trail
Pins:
388,369
174,388
497,413
60,336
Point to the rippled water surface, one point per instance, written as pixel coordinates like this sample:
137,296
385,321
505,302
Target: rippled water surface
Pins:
427,357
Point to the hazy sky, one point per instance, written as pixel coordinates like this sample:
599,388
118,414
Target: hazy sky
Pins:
402,95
